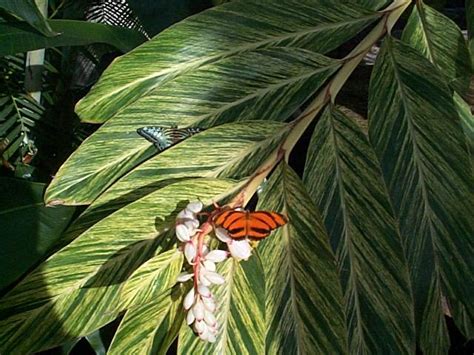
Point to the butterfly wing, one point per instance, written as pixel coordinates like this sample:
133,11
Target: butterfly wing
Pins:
163,137
261,223
245,224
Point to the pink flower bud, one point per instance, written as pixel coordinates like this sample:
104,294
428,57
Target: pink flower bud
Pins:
217,255
190,251
189,299
211,338
240,249
222,235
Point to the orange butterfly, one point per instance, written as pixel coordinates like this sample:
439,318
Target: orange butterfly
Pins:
245,224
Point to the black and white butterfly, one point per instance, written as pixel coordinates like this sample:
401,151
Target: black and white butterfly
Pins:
165,137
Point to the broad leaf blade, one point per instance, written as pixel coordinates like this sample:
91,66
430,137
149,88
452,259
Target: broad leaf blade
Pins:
29,228
28,11
86,284
233,89
343,178
220,32
417,135
17,37
240,312
440,40
304,303
150,328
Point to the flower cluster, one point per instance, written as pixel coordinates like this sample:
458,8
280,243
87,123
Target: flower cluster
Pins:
199,302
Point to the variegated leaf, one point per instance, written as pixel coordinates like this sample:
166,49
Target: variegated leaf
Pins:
440,40
211,36
417,135
233,89
86,284
344,179
303,302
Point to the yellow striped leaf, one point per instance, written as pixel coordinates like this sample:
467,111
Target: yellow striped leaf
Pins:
103,271
417,135
343,177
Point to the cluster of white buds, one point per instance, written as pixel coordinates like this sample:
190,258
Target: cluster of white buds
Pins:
199,301
239,249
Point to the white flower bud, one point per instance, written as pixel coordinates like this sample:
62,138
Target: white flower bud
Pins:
215,278
209,265
217,256
185,214
209,304
198,310
194,207
183,277
203,280
240,249
222,235
183,233
199,326
210,319
189,299
192,225
211,338
190,251
204,291
204,334
190,318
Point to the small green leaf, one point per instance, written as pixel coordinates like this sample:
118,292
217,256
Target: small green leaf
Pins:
304,302
240,312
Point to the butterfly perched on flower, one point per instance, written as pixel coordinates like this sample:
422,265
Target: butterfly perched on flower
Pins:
246,224
165,137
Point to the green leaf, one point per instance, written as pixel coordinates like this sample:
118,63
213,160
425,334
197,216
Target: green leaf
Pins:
29,228
440,40
17,37
467,120
343,178
28,10
233,89
90,281
240,312
304,302
417,135
128,87
95,341
152,327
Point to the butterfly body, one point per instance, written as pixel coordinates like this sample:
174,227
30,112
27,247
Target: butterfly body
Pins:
165,137
246,224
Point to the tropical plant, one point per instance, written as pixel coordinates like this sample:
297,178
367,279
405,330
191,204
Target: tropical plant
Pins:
377,249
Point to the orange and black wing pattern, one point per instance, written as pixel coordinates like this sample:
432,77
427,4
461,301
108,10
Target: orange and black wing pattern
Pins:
245,224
